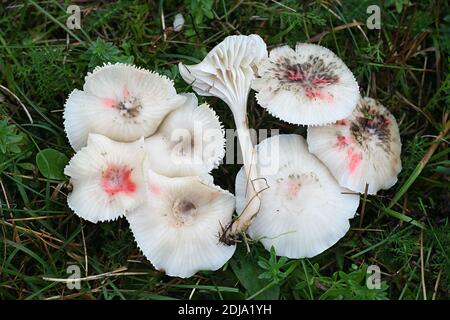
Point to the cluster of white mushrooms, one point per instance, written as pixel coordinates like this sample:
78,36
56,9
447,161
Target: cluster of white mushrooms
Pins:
145,152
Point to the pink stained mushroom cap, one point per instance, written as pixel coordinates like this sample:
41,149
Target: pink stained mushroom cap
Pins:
120,101
361,149
307,86
303,209
107,178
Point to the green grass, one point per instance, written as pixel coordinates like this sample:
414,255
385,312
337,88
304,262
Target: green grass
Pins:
404,230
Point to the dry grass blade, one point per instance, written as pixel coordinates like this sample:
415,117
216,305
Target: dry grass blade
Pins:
116,273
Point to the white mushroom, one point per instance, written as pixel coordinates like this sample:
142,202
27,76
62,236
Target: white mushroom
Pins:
178,227
189,142
120,101
303,210
107,178
226,73
362,149
308,86
178,22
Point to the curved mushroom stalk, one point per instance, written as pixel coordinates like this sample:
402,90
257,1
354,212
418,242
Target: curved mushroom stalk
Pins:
253,187
227,72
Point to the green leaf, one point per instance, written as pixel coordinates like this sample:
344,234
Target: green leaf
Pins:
51,163
246,270
26,166
442,170
403,217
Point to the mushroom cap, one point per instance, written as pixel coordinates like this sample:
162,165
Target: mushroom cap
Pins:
189,142
120,101
362,149
309,85
227,70
107,178
303,210
178,22
178,227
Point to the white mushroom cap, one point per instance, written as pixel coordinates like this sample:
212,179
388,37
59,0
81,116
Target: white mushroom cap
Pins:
107,178
303,211
178,22
178,226
362,149
227,70
122,102
189,142
308,86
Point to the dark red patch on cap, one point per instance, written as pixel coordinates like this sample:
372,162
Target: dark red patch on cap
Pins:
313,75
295,75
116,179
324,81
342,141
317,94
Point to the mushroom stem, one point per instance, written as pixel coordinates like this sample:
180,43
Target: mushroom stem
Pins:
226,73
253,201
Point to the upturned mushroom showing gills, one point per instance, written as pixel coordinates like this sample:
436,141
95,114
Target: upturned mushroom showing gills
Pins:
120,101
303,210
178,226
307,86
361,149
107,178
189,142
226,72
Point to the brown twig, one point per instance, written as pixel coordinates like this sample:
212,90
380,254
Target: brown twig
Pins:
318,37
10,93
436,285
363,207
